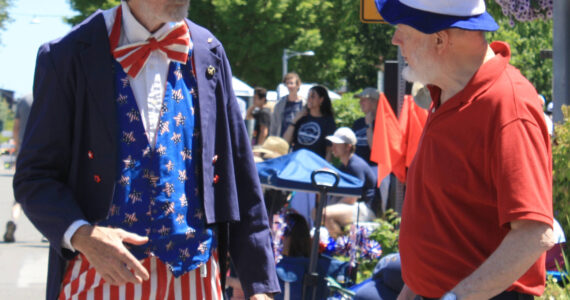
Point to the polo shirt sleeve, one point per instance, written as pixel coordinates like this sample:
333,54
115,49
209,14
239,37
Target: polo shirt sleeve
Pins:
522,173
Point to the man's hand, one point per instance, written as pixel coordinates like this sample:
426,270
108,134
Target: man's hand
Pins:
518,251
104,249
261,297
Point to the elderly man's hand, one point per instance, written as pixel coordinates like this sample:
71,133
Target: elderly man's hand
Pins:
104,249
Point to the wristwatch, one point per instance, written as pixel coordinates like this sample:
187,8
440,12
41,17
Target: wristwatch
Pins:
449,296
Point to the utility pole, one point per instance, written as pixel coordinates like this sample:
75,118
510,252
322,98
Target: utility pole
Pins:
561,58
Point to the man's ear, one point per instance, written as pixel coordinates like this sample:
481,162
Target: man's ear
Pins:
442,40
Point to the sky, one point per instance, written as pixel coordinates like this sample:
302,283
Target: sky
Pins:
34,22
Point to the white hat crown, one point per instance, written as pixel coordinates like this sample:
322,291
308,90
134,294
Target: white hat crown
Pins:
461,8
343,135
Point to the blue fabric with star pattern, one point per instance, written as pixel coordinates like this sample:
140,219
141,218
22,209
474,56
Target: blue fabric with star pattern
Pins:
157,193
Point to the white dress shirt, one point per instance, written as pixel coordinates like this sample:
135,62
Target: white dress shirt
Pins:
148,87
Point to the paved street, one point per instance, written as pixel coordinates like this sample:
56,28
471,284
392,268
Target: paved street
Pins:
23,263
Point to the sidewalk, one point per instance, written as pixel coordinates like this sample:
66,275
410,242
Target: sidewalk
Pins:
24,263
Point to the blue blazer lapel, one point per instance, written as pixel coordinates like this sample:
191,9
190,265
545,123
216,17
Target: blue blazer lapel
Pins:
204,57
98,68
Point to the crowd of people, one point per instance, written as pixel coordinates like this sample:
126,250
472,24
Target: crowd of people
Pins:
307,122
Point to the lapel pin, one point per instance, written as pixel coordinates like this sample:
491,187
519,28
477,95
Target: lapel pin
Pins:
211,70
210,40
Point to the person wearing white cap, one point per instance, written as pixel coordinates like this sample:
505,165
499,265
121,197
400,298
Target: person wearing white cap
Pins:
343,211
477,215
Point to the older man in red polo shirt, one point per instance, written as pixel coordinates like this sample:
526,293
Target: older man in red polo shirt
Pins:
477,218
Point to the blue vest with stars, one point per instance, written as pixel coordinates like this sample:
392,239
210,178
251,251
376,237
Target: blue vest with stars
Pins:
157,193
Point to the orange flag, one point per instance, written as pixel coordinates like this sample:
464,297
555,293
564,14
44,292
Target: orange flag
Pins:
412,121
387,141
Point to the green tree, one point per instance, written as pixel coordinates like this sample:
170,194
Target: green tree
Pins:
256,32
87,7
346,110
4,16
526,39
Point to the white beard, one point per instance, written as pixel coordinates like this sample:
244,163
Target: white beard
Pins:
424,67
179,14
412,75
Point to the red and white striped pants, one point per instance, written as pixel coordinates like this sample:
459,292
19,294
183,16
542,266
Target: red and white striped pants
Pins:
81,281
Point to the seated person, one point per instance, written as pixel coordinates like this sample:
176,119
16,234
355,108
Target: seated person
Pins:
292,268
386,282
341,211
272,147
296,236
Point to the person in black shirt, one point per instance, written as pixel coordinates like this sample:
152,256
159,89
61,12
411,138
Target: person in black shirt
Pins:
261,116
313,124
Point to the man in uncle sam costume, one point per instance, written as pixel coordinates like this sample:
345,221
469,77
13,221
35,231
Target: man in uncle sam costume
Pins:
477,217
136,164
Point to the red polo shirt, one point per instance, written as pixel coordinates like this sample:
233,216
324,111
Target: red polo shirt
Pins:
484,160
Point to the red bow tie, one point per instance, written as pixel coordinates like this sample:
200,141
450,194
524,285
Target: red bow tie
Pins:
175,44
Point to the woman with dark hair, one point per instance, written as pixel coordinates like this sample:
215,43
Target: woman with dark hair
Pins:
296,236
313,124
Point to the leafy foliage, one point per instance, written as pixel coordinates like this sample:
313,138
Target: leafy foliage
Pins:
255,33
346,110
558,290
87,7
387,236
527,39
526,10
4,17
561,197
6,118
